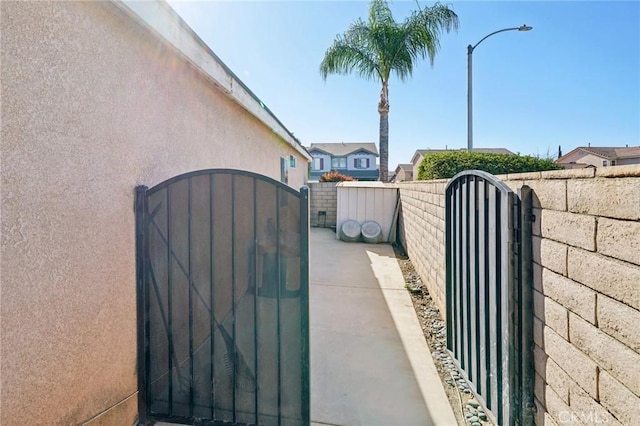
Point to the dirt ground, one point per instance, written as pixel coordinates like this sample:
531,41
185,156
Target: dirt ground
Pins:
460,397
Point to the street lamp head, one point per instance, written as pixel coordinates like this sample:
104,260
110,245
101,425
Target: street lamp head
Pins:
470,49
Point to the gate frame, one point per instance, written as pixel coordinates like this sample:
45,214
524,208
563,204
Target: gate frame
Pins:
142,303
516,219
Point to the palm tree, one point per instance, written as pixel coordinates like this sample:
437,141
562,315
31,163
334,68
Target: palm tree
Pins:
380,46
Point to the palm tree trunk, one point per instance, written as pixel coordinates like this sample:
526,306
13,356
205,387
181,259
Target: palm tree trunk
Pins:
383,145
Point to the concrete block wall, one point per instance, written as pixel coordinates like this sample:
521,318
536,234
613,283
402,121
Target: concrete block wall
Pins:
586,246
422,233
323,197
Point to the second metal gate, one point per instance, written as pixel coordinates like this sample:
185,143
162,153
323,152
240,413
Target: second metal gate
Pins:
223,300
489,294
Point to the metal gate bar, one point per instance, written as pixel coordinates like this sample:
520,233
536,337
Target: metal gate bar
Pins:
222,256
489,315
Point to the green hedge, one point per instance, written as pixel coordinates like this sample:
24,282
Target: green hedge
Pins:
445,165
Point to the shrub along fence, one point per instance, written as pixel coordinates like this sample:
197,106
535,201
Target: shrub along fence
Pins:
445,165
586,253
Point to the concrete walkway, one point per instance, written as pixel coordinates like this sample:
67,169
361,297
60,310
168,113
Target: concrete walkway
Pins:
370,364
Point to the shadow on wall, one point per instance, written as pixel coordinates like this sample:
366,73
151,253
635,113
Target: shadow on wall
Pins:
586,343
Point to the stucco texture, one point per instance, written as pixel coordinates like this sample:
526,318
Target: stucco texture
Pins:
93,105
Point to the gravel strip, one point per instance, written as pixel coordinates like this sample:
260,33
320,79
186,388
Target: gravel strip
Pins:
465,407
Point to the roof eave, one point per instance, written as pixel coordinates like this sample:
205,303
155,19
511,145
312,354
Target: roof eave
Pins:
415,155
363,150
161,19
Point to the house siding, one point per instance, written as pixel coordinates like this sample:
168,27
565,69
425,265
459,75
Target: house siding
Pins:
326,160
403,175
416,165
94,104
585,158
627,161
582,157
352,157
370,172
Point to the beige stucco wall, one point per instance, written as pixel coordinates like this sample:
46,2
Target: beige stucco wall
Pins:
586,250
403,175
582,157
93,105
416,165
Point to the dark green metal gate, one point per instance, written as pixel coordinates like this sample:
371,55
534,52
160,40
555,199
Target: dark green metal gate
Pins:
223,300
489,292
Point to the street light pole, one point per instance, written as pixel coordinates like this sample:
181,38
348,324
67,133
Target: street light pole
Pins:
470,50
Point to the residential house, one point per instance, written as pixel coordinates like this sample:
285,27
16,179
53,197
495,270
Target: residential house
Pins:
404,172
586,156
357,160
97,98
421,153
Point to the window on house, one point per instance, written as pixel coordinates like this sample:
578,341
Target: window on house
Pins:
613,162
284,170
317,164
292,161
604,163
339,163
361,163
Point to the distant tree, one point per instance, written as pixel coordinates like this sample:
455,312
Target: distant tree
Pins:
380,46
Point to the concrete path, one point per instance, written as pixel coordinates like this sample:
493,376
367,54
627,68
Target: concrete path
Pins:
370,364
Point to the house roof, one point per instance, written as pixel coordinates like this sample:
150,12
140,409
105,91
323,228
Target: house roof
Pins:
609,153
405,167
342,149
423,152
165,24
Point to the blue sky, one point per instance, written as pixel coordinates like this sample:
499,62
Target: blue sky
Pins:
574,79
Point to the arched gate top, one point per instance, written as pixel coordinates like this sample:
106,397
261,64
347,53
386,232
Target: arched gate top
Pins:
236,172
502,187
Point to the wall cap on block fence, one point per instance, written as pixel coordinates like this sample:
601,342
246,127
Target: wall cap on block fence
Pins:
366,184
631,170
479,173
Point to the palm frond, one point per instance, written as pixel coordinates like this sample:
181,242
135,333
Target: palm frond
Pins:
420,37
382,46
380,14
351,51
427,26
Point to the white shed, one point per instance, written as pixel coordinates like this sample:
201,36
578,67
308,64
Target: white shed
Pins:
365,201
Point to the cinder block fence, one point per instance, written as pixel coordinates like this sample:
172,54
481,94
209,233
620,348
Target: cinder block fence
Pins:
322,206
586,248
